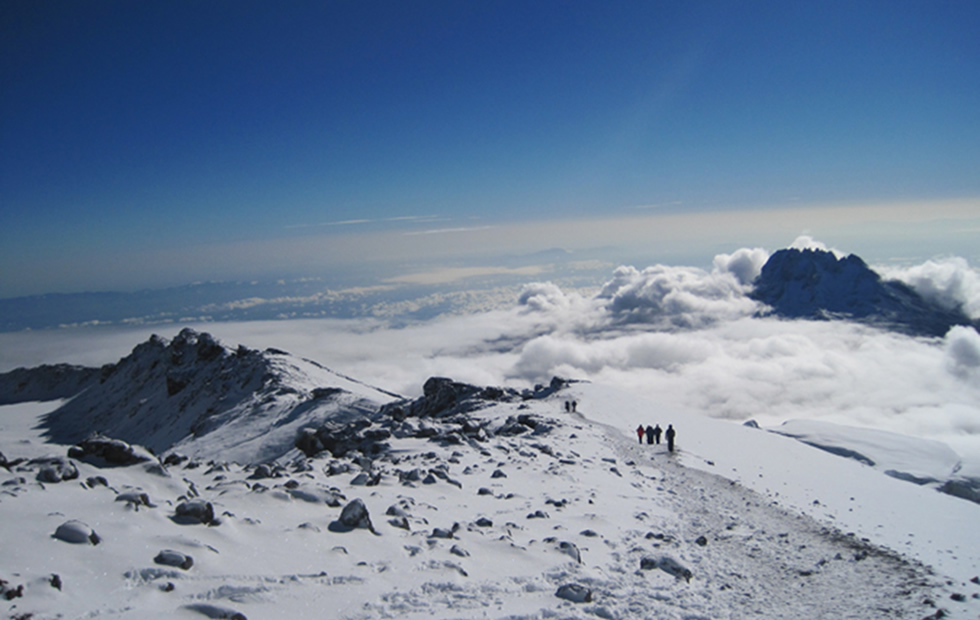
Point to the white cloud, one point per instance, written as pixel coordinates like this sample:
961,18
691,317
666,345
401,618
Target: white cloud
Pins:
962,345
724,363
950,282
744,264
684,297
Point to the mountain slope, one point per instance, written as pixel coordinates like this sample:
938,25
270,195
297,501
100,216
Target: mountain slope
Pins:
815,284
192,391
569,518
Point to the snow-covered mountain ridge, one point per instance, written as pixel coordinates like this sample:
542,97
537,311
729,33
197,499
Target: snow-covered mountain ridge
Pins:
816,284
511,507
198,395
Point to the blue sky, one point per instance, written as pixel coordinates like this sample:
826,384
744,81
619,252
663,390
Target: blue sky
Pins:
152,143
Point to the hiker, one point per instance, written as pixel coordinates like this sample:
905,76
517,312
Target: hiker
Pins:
649,435
657,431
639,433
670,437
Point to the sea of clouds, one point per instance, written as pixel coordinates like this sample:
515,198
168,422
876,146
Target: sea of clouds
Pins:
690,338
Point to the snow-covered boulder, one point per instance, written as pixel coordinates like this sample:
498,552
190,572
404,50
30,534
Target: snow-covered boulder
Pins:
169,557
195,511
54,469
77,533
104,451
667,564
575,593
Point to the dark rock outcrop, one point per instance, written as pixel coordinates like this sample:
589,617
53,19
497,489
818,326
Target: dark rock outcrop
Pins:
195,511
816,285
44,383
353,516
54,469
575,593
103,451
667,564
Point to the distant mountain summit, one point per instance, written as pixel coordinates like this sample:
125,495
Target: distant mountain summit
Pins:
815,284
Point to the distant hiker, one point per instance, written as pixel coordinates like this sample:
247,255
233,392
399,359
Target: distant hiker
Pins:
568,407
639,432
670,437
657,431
574,406
649,432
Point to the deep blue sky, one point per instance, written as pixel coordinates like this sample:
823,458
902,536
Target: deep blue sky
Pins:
132,133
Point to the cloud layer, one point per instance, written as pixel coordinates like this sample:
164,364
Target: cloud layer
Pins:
687,337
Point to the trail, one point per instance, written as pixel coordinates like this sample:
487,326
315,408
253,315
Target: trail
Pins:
758,559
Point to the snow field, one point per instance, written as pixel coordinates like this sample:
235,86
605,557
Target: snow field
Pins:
276,555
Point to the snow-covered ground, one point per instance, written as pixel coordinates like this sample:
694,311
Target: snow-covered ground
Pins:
767,526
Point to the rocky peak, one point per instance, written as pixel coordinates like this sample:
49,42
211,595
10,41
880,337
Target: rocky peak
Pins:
815,284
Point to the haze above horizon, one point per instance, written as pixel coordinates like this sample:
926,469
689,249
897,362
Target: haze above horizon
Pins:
159,143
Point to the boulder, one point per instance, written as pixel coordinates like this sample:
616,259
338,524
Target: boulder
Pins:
55,469
77,533
353,516
668,565
571,550
575,593
135,499
195,511
103,451
169,557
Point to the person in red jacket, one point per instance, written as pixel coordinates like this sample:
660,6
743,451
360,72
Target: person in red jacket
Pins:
640,432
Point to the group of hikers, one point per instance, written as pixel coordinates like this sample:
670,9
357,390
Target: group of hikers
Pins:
652,433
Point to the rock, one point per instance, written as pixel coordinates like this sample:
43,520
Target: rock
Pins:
215,612
441,532
195,511
169,557
571,550
457,550
77,533
55,469
102,451
400,522
135,499
396,511
484,522
668,565
263,471
498,474
701,540
575,593
353,516
10,593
